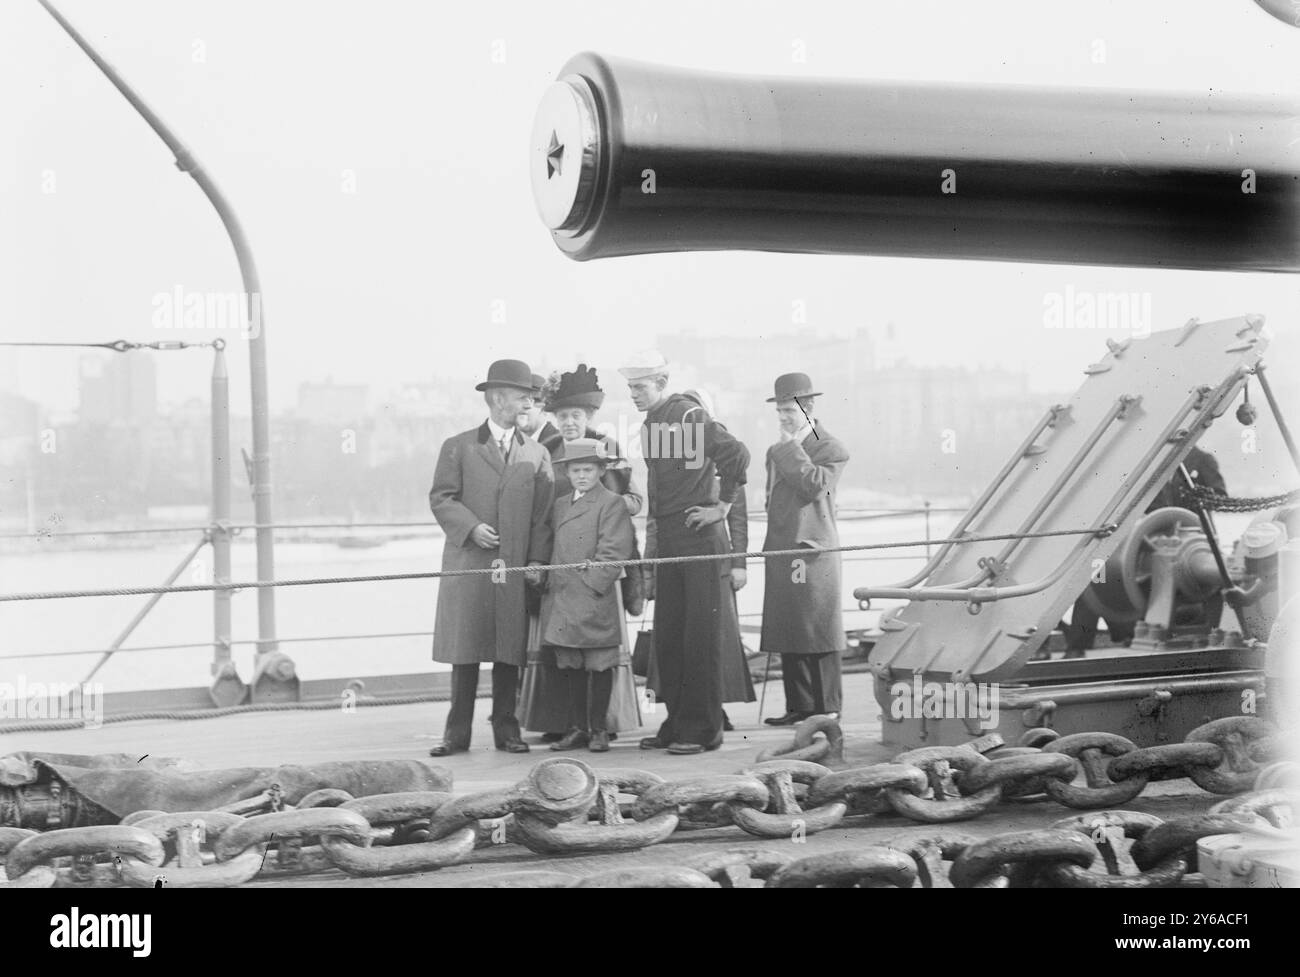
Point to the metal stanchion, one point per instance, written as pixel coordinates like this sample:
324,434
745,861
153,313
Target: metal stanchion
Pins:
226,689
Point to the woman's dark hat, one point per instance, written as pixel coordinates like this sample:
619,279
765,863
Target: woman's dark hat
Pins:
788,386
508,373
580,388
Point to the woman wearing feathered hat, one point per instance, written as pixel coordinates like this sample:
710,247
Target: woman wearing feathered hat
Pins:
573,399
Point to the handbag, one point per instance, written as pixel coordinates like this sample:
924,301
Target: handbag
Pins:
532,599
633,592
633,586
641,652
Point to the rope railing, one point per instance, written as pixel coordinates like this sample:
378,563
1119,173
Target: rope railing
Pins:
124,345
208,644
586,564
209,527
300,640
846,514
303,640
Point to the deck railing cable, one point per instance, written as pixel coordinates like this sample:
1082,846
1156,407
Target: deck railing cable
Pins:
586,564
843,515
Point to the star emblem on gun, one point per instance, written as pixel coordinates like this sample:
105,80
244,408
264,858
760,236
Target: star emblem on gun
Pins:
554,156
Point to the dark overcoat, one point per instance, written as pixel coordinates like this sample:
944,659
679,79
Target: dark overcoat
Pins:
479,619
802,601
582,608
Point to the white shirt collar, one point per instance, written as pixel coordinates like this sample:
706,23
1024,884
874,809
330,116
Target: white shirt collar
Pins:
499,432
803,432
577,495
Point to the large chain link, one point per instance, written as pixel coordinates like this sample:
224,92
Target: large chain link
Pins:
564,806
1138,851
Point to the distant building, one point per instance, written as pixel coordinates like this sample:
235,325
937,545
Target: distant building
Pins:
19,434
327,402
940,431
19,417
117,388
911,431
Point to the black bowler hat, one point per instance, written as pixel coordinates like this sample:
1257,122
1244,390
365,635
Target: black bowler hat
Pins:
788,386
508,373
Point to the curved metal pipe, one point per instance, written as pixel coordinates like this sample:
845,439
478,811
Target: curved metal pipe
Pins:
975,595
261,474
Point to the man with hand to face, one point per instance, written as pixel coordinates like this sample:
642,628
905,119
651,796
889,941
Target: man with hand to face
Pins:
802,620
695,469
492,494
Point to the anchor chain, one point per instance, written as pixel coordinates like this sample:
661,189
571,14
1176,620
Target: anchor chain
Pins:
564,806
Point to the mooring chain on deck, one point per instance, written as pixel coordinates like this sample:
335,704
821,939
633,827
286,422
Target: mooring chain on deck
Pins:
802,552
565,807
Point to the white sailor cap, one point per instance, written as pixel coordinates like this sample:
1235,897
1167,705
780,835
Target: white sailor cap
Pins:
647,363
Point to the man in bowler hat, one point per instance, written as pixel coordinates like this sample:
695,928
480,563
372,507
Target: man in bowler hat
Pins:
802,620
492,494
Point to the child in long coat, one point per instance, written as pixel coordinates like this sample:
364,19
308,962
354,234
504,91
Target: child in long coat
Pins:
581,616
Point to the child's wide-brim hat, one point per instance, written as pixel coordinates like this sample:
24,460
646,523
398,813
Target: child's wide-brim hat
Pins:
586,449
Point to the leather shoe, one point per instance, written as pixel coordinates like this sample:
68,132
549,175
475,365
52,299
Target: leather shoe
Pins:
653,743
690,749
599,741
789,719
447,749
571,740
552,737
514,745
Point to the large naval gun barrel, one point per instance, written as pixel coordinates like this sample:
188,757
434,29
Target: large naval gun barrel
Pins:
633,158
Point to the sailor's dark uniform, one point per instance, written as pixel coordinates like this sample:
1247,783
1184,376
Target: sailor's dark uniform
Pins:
691,461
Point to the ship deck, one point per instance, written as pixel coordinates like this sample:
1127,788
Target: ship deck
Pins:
404,731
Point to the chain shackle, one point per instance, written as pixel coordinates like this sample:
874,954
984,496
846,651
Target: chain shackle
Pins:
1091,750
945,803
187,830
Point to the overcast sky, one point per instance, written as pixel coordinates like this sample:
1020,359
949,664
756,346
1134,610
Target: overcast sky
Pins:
283,99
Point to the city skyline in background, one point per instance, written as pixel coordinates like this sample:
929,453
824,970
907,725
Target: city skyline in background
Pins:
354,451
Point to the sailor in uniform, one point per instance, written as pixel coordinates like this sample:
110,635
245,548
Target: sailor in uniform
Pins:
695,469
